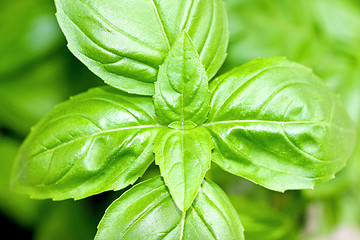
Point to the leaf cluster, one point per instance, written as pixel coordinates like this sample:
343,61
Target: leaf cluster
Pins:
271,121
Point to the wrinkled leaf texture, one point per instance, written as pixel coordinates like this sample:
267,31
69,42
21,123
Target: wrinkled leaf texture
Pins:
181,91
97,141
147,211
184,156
125,42
182,98
272,121
276,123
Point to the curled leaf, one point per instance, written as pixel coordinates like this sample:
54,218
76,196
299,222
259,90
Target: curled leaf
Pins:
147,211
97,141
276,123
125,42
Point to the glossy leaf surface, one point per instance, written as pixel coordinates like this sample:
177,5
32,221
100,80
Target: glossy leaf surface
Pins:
97,141
277,124
183,157
181,91
125,42
147,211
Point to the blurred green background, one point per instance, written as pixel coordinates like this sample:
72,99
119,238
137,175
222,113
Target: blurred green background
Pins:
37,72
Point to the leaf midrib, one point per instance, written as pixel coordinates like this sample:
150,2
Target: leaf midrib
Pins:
120,30
209,124
248,79
161,23
257,164
96,134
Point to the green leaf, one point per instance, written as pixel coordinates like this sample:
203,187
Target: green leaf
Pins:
147,211
277,124
181,91
125,42
97,141
309,33
183,157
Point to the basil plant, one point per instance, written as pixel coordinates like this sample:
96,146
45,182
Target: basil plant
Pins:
271,121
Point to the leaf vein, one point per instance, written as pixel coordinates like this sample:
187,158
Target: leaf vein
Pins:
243,85
96,134
115,27
204,222
206,39
161,23
106,49
246,158
142,215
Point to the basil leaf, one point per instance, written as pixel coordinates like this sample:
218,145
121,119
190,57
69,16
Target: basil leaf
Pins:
97,141
277,124
181,91
183,157
147,212
125,42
